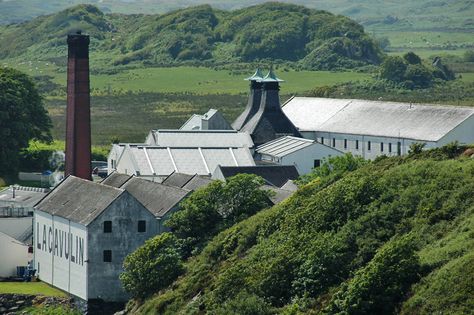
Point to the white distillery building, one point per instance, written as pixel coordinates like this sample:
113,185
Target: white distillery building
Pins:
13,253
373,128
212,120
82,233
304,154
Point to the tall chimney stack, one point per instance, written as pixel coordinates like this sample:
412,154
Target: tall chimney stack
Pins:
78,118
254,100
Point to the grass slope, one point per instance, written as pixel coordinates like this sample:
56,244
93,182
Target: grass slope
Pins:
30,288
396,235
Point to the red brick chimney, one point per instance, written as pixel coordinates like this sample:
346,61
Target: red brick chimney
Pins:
78,117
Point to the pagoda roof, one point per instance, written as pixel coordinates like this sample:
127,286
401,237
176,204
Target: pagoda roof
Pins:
257,76
271,77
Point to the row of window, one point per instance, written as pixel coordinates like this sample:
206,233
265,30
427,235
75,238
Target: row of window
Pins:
369,145
141,228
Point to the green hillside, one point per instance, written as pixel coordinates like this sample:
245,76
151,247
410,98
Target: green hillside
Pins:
272,31
395,236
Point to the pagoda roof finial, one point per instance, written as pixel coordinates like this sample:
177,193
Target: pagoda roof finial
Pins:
257,76
271,76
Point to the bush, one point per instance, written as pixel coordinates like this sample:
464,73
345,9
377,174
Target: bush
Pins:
416,148
245,304
379,287
217,206
469,56
152,267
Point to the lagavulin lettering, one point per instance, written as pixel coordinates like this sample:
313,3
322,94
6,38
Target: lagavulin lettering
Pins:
60,243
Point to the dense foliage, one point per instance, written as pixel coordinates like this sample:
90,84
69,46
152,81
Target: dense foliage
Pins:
271,31
153,266
410,72
22,118
381,239
217,206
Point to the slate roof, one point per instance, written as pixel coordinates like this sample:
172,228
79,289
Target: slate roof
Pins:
279,194
200,138
79,200
152,160
283,146
276,175
116,179
375,118
197,182
177,179
156,197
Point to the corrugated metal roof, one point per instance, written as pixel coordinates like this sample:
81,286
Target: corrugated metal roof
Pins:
375,118
79,200
157,198
284,146
152,160
201,138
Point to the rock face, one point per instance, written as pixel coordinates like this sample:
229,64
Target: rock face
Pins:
12,303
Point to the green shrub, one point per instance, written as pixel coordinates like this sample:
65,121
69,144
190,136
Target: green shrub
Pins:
244,304
379,287
152,267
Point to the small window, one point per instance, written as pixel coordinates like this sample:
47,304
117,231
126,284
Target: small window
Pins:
317,163
357,144
107,255
399,148
107,226
333,142
345,143
390,148
369,146
381,146
322,140
141,226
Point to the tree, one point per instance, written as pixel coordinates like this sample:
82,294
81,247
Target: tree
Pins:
412,58
217,206
153,266
333,168
22,118
393,69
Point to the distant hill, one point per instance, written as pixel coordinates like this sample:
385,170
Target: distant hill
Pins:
273,31
405,14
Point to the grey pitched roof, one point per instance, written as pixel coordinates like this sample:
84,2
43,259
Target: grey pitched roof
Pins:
200,138
152,160
285,145
276,175
157,198
197,182
376,118
177,179
116,179
279,194
79,200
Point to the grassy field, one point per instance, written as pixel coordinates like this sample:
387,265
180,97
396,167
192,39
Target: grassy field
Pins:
32,288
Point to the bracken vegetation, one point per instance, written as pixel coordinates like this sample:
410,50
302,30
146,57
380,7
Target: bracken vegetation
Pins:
394,236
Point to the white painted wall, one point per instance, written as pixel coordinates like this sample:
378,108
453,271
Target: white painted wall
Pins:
12,254
304,159
58,244
365,150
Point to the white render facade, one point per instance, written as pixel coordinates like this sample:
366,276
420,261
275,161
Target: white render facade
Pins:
304,154
82,233
373,128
